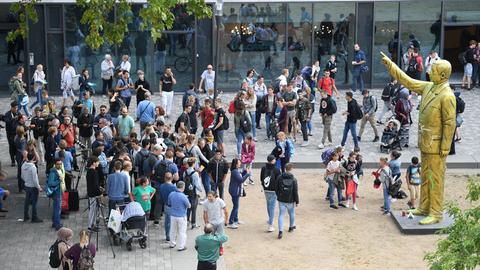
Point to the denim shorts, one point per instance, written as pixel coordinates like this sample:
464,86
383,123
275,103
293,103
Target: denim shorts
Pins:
468,70
219,136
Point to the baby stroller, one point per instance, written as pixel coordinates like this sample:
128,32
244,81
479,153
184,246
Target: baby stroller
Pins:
134,225
390,137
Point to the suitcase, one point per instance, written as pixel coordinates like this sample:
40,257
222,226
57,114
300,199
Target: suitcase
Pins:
65,201
73,200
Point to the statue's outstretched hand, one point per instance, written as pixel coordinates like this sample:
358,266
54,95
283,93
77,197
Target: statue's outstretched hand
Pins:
386,61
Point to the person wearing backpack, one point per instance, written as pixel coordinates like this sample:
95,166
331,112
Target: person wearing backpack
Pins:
369,108
235,188
287,197
243,124
269,175
283,151
193,189
221,124
82,253
468,65
388,94
304,114
126,87
328,107
326,83
57,258
217,169
353,113
415,65
413,180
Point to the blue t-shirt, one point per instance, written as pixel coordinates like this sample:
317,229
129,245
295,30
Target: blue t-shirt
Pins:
394,165
359,56
126,92
178,203
67,161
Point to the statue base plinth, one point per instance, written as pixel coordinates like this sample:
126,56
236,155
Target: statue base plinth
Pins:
412,226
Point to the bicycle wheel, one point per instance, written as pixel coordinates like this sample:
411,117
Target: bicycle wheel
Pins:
182,64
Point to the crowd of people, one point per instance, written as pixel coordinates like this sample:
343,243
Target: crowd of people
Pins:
173,163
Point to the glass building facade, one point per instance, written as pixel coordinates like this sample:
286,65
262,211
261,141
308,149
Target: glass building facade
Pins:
266,36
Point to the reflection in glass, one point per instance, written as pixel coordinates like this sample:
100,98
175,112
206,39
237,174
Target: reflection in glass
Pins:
251,36
386,39
299,40
462,11
334,29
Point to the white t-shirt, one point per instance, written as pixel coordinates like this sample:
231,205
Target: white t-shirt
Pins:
215,211
129,180
332,165
209,79
283,80
260,89
125,66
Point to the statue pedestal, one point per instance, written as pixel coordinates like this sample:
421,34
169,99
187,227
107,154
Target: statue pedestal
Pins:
412,226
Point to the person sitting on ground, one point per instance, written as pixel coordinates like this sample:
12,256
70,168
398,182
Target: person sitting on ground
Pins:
3,192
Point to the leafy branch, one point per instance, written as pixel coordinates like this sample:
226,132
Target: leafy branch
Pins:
461,249
156,15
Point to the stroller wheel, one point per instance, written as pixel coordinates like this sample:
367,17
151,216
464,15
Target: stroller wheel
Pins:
129,245
143,243
116,240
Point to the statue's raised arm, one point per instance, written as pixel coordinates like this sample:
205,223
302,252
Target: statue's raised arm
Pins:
416,86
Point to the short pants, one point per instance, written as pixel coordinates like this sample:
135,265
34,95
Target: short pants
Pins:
468,70
67,93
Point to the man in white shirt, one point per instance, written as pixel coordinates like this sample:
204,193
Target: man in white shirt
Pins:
107,73
215,212
431,58
68,72
260,91
283,80
207,77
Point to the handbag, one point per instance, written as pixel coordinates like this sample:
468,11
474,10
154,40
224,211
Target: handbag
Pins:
115,221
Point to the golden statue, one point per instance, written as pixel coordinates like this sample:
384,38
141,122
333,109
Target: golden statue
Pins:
436,128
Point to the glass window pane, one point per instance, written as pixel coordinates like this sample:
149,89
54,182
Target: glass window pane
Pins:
416,27
54,15
461,11
55,61
299,41
251,36
386,39
337,41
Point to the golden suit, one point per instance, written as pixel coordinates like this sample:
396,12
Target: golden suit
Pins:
436,127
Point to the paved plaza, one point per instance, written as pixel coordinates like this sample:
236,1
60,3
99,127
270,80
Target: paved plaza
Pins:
25,245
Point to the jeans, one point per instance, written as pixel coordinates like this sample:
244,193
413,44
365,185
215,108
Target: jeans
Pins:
31,198
39,98
357,81
327,126
192,211
268,119
234,214
476,74
20,182
12,150
304,130
220,186
178,225
24,107
387,106
386,199
127,101
106,85
206,265
240,137
281,162
291,213
271,198
352,127
92,211
309,126
331,190
167,221
254,124
205,180
57,203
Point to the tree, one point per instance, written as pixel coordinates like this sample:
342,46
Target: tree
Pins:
461,249
156,17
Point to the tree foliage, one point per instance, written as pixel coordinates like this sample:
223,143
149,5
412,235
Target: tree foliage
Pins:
156,17
461,249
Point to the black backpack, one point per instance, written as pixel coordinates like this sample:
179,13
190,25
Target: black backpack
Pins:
412,66
462,58
276,84
189,186
245,125
285,190
76,111
460,105
226,124
358,113
54,259
159,171
142,160
388,92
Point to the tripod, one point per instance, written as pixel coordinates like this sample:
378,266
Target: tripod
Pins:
100,217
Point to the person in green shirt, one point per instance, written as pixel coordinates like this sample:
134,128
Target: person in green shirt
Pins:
143,194
208,248
126,124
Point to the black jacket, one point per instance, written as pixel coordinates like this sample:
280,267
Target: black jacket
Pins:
39,128
85,125
270,170
10,120
93,183
352,111
217,169
287,198
327,105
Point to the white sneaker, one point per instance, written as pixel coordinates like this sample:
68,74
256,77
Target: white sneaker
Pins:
355,207
347,204
329,144
321,146
304,144
232,226
270,228
393,200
